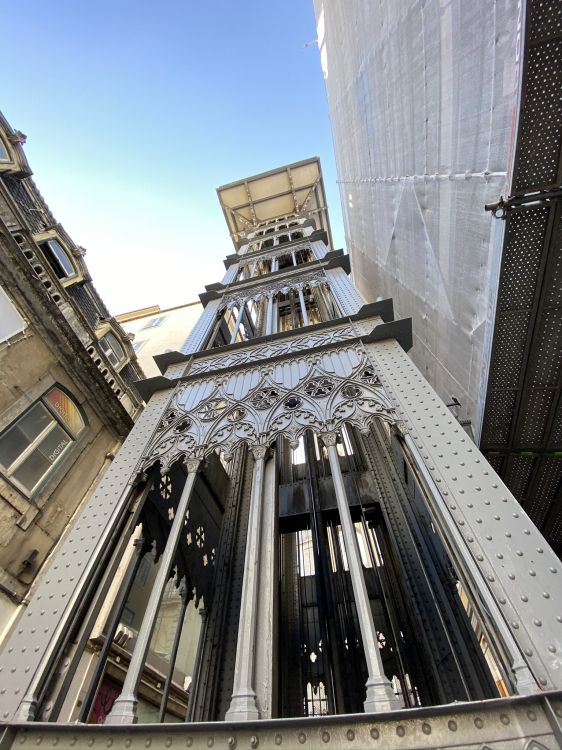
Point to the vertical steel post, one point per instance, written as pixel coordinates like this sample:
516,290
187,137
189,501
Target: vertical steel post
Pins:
238,321
173,654
380,695
303,308
124,709
243,703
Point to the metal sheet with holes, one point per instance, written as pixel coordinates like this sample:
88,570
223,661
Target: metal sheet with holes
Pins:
520,570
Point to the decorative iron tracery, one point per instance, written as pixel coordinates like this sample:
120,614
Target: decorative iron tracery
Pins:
320,392
283,286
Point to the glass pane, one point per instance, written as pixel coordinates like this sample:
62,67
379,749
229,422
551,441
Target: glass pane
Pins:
54,443
31,470
34,421
12,444
4,156
67,410
38,463
112,348
62,257
11,321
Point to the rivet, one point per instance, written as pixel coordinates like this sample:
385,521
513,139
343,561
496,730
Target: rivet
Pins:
524,598
400,731
532,573
211,742
325,736
478,722
232,742
375,734
109,743
188,742
537,622
504,718
148,743
350,734
426,729
532,715
552,649
546,595
514,625
91,742
499,555
519,553
542,680
528,652
452,726
169,742
278,739
301,737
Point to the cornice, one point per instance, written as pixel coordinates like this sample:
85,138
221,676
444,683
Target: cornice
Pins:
57,333
333,259
401,330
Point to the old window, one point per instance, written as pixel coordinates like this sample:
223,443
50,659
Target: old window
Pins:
58,258
4,155
11,321
154,322
112,349
32,446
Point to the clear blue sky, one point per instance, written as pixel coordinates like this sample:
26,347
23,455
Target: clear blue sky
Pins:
136,111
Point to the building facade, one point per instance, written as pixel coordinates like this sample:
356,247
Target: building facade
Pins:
297,544
438,110
157,331
67,398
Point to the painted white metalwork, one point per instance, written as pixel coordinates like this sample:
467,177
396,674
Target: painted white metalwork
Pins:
515,563
243,704
380,695
258,404
124,709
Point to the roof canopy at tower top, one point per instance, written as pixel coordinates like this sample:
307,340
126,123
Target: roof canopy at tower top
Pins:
292,189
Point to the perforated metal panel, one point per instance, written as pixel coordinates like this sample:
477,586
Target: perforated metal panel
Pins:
519,570
523,416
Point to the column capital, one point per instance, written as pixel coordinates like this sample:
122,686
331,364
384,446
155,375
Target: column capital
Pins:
329,438
259,451
193,465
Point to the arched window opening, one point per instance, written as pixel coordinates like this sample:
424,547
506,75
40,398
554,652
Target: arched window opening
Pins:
282,239
33,445
296,236
4,155
58,258
285,261
112,349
